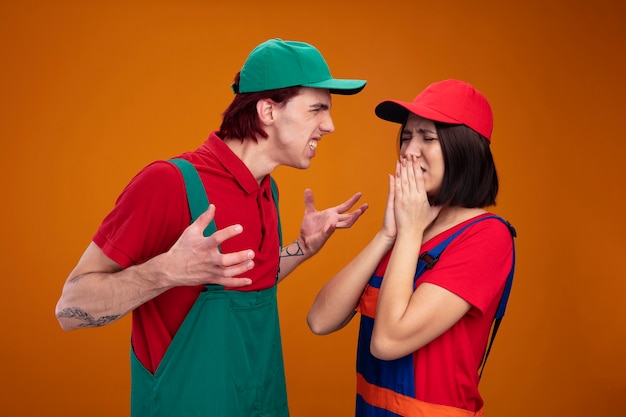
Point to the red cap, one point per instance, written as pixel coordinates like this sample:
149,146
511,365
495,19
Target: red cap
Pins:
449,101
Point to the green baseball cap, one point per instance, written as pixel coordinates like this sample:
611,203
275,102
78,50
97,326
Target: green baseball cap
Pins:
278,64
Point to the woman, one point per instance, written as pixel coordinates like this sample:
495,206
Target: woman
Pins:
422,341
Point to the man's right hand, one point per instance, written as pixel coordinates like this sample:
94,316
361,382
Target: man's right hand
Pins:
195,259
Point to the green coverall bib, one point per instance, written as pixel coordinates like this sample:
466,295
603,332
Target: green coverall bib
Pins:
226,358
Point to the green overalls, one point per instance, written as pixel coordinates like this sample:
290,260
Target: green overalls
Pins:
226,358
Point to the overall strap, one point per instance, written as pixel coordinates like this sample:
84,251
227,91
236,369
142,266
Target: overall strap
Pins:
199,202
196,195
428,260
275,196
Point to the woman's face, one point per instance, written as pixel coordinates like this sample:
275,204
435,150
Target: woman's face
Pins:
419,138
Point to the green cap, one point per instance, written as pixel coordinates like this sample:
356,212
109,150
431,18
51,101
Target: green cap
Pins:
278,64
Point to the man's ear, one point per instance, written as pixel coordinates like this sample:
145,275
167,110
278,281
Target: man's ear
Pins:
265,109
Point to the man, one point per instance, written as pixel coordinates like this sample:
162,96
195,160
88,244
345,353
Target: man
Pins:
201,282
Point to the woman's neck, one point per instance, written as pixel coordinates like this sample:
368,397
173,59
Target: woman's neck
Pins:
449,217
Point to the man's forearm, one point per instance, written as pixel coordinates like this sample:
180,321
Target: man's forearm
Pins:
96,299
291,256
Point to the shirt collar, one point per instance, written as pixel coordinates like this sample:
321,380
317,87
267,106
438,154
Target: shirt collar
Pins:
235,166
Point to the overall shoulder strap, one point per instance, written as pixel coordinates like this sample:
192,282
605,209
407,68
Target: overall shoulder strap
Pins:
196,195
503,301
275,196
428,260
199,202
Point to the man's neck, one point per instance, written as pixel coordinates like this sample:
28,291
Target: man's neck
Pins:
254,154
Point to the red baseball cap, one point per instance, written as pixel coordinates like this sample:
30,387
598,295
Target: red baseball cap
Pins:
449,101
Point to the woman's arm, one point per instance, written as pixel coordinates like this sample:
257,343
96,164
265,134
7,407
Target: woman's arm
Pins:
405,319
336,302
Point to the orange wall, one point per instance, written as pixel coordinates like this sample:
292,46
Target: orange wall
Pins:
92,92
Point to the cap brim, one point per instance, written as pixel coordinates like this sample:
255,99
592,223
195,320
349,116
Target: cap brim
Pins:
339,86
397,112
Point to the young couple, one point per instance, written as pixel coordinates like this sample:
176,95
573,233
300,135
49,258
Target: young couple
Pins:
193,248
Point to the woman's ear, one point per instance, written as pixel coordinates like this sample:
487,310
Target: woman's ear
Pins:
265,110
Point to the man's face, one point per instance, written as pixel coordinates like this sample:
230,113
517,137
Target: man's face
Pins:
299,125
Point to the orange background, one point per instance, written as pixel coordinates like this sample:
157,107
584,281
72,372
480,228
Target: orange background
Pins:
93,91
